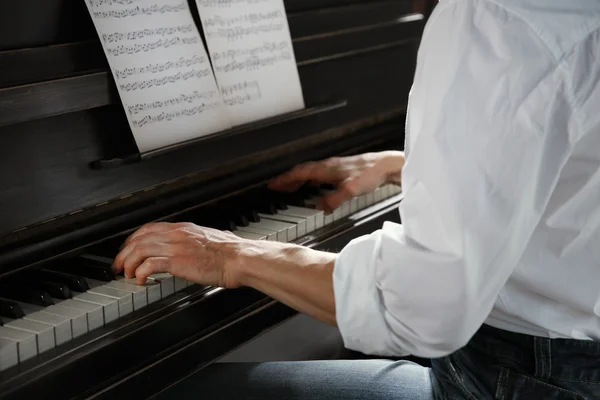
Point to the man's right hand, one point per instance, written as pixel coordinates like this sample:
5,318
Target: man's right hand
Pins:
353,176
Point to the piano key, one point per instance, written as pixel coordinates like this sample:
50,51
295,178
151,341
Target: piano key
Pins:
180,283
10,309
270,235
345,209
89,266
9,354
370,199
73,282
288,231
79,323
54,289
124,299
139,294
354,205
21,293
44,334
249,235
377,195
314,218
110,305
94,312
298,221
153,289
362,202
385,191
25,341
165,282
62,325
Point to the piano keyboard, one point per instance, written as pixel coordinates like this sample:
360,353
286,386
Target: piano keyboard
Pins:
46,308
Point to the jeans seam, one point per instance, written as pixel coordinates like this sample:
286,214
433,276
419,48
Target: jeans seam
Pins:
458,380
501,385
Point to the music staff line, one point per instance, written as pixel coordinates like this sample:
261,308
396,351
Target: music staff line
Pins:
159,67
165,80
132,12
228,3
239,32
170,115
191,98
251,18
145,47
253,63
144,33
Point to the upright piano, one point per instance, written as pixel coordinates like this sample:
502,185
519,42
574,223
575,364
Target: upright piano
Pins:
73,185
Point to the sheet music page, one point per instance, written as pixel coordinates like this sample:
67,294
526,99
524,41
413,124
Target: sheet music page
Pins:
250,45
161,69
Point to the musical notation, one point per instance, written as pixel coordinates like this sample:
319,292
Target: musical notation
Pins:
251,43
140,34
155,68
161,69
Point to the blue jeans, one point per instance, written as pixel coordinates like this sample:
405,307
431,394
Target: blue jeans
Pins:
494,365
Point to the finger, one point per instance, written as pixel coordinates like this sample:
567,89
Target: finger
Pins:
152,265
154,227
346,191
150,245
315,172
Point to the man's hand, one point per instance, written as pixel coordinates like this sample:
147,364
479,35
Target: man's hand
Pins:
353,176
197,254
297,276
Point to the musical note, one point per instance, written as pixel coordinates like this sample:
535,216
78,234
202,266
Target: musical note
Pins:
250,44
161,69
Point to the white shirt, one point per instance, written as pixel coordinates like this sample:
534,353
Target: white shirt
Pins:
501,209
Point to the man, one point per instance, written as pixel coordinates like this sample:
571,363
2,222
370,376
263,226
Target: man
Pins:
495,272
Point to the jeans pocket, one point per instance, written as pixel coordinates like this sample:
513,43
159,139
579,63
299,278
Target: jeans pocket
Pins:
515,386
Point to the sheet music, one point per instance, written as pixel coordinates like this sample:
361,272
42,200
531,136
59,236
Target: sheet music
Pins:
161,69
251,49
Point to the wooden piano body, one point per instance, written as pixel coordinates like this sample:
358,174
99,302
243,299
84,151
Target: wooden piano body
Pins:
71,178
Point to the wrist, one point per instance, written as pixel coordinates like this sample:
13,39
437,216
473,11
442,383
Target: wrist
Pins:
393,162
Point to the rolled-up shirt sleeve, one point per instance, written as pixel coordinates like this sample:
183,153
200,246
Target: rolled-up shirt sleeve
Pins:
489,128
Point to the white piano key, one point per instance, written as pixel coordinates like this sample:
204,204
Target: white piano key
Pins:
94,312
166,283
139,293
9,354
370,199
249,235
110,305
271,235
328,219
44,334
362,202
153,289
180,283
298,221
314,218
125,299
26,342
79,324
62,325
354,205
385,191
346,209
377,196
285,231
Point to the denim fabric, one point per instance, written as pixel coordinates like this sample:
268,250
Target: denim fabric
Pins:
495,365
502,365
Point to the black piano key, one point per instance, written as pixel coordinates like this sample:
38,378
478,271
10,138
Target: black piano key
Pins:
10,309
88,267
55,289
26,295
73,282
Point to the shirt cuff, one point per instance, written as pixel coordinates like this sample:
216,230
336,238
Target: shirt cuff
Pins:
359,307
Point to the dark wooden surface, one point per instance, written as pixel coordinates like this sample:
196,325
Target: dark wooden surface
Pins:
59,110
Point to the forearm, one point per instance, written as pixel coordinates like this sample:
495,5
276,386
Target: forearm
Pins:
299,277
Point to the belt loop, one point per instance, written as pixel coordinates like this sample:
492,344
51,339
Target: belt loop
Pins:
543,358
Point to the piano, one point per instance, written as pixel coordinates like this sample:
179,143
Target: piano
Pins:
73,185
